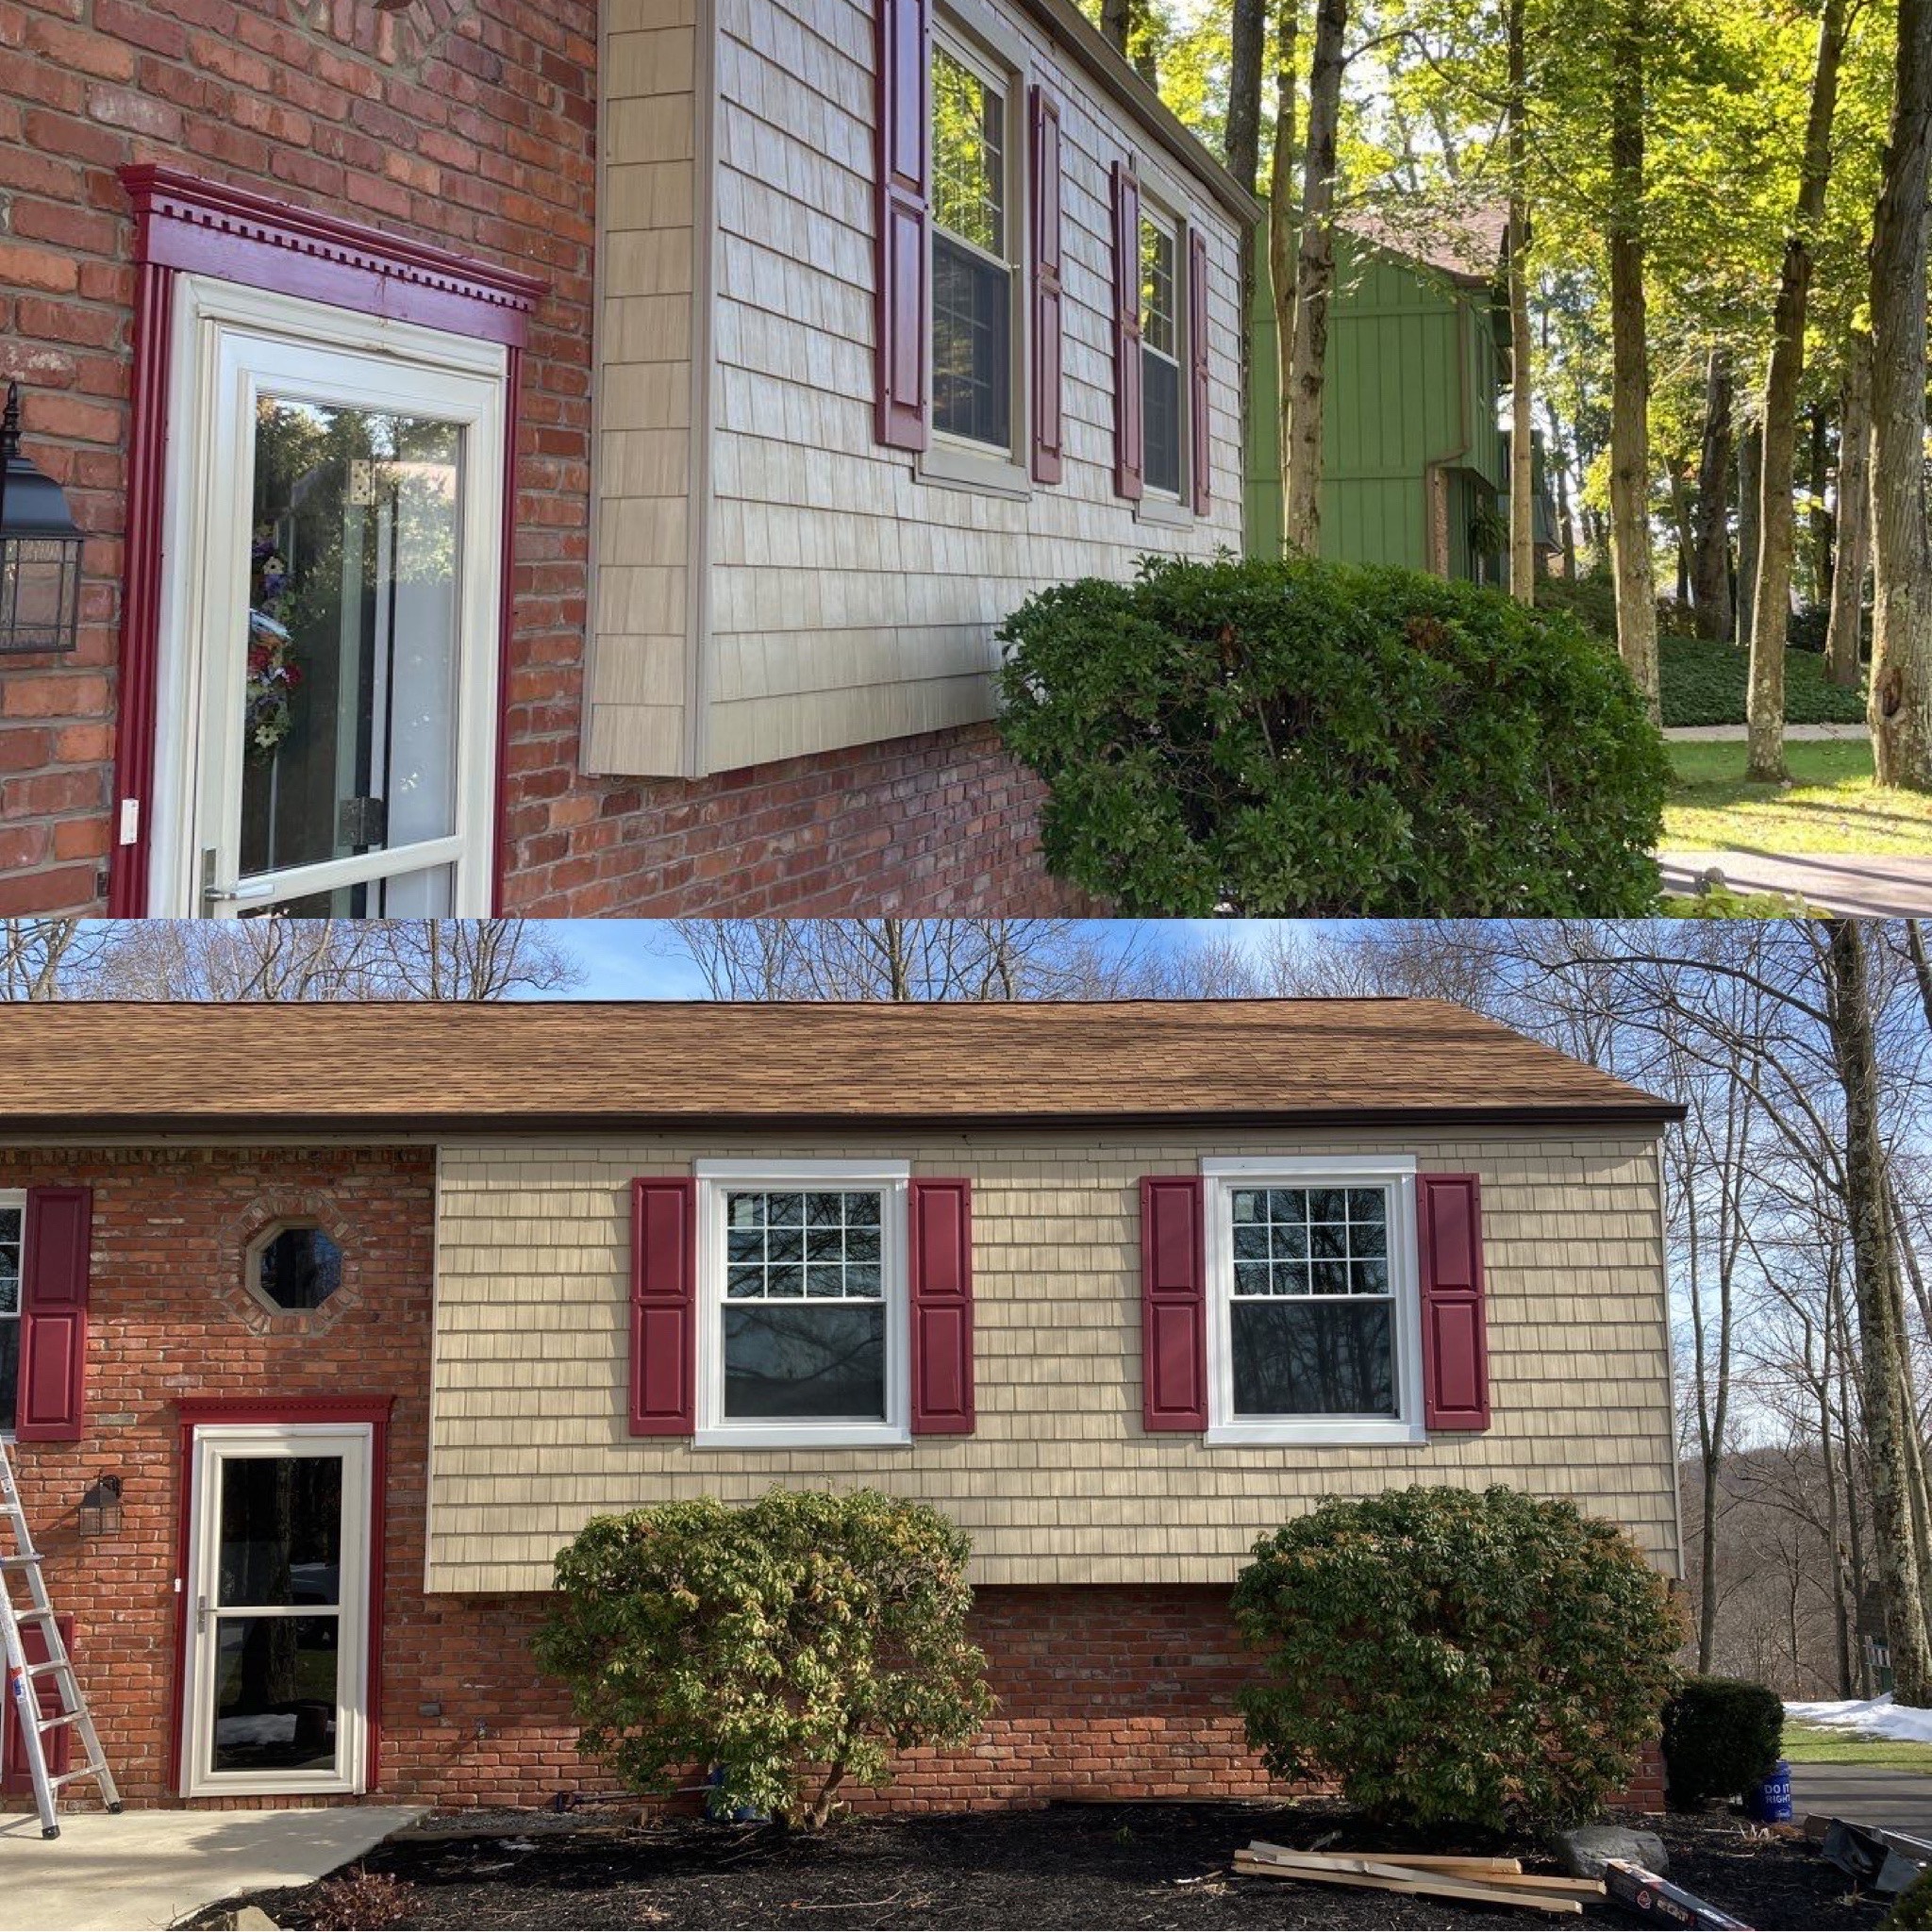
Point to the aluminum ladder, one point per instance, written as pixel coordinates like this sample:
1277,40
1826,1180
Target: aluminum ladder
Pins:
23,1679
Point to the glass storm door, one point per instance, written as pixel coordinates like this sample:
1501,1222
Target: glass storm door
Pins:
341,633
278,1604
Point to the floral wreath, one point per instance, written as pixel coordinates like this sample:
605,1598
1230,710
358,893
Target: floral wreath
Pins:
274,678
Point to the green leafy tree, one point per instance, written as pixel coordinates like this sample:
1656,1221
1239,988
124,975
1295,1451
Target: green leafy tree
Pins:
793,1643
1454,1657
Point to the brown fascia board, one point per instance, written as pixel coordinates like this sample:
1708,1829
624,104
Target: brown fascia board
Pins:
1653,1114
1103,62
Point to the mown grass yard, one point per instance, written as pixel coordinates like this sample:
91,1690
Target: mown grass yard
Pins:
1830,806
1815,1744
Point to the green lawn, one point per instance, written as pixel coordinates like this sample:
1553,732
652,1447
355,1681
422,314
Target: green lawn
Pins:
1831,804
1808,1745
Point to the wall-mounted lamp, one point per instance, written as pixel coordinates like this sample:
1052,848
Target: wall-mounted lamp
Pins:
40,549
100,1507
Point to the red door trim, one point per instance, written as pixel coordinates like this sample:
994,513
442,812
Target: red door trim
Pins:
194,1410
183,225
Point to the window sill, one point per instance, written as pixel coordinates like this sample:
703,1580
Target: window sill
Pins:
1167,511
805,1436
954,467
1314,1435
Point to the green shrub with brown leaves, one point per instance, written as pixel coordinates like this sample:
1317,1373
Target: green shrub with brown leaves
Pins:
1455,1657
793,1643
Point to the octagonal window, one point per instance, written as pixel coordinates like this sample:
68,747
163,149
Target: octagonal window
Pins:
296,1267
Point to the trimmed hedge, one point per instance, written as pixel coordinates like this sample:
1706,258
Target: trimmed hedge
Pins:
1721,1737
1452,1658
1302,738
794,1643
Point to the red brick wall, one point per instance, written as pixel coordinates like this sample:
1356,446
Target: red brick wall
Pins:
1103,1692
470,126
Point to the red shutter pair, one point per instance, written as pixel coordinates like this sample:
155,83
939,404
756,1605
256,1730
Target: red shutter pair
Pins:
1174,1303
1130,452
664,1307
903,302
52,1314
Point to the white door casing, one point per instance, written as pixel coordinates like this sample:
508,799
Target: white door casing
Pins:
233,346
214,1445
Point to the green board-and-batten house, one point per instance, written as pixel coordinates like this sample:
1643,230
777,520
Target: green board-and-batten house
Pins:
1414,465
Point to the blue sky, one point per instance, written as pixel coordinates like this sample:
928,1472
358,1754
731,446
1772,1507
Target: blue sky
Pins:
640,959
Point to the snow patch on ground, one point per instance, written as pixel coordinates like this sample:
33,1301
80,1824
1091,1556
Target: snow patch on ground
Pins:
1869,1717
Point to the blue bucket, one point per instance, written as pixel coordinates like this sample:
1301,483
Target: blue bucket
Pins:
1770,1801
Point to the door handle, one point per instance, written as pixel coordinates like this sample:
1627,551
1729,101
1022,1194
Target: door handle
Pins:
241,892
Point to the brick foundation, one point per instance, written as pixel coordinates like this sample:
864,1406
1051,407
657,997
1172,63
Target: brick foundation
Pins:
1108,1691
472,127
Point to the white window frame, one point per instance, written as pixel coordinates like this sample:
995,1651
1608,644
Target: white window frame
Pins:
974,35
715,1179
1160,203
15,1199
207,528
1396,1171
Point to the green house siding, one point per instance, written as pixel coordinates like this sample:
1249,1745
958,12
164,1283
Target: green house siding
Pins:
1414,370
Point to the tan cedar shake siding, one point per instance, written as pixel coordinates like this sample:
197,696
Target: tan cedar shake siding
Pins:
1060,1484
823,595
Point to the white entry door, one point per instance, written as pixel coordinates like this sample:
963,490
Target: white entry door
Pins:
277,1682
329,646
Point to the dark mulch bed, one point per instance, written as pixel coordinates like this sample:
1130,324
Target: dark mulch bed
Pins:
1068,1866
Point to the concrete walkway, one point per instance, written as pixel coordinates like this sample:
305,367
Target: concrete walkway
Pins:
1736,734
1853,884
145,1869
1893,1800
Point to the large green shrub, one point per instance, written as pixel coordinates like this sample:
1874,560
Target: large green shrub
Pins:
796,1641
1303,738
1912,1910
1454,1657
1721,1736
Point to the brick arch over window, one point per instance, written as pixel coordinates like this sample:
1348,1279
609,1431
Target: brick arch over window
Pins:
236,1254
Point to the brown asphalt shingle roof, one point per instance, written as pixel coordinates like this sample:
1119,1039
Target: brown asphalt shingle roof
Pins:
110,1066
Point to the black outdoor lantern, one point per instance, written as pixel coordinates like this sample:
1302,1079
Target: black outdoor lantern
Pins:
100,1507
40,549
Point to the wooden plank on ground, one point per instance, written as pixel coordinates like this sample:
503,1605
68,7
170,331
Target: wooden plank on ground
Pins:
1414,1884
1431,1861
1510,1874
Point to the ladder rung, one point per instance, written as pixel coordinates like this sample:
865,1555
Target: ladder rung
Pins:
47,1669
74,1777
24,1561
54,1722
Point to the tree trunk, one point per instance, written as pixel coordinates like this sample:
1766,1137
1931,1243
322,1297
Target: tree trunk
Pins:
1844,641
1900,704
1282,216
1558,459
1681,519
1823,530
1630,363
1711,568
1247,38
1301,449
1114,18
1750,448
1770,604
1881,1313
1522,424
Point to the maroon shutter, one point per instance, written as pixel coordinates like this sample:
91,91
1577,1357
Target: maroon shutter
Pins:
1174,1303
663,1307
1046,157
1129,458
941,1271
15,1778
904,160
1456,1356
53,1310
1200,465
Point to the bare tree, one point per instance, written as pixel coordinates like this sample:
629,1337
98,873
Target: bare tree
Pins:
33,954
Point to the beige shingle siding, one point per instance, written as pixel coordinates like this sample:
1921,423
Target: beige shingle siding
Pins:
843,600
1060,1484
